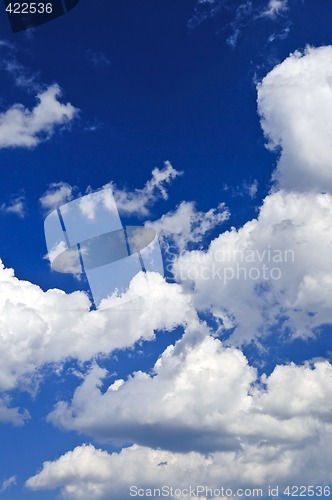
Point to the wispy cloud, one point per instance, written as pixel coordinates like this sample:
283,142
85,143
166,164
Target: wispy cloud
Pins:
275,8
244,13
205,9
22,76
247,188
186,225
17,206
7,483
97,58
139,201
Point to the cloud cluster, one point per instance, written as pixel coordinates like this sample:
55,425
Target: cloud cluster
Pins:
278,428
203,413
203,397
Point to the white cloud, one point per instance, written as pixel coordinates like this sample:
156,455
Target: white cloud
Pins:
13,415
275,8
137,202
39,327
57,194
281,428
87,471
7,483
187,225
292,238
22,127
295,105
203,397
205,9
17,206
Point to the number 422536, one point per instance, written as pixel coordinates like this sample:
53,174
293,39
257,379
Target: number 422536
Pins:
29,8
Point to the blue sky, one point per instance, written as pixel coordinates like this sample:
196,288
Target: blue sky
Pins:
210,120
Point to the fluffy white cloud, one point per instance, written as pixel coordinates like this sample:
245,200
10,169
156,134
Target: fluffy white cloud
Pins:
279,427
295,104
275,270
38,327
90,472
161,409
22,127
203,397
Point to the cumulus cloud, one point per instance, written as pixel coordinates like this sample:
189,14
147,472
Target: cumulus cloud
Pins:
235,408
278,426
22,127
160,409
40,327
275,270
295,105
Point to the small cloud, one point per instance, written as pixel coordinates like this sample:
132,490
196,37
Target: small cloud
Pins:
205,9
275,8
57,194
22,127
186,226
279,36
98,58
251,188
92,126
17,206
21,75
7,483
137,202
246,189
